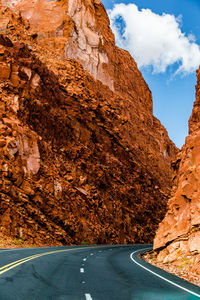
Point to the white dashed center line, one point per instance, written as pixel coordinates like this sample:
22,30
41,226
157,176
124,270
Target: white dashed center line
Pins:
88,297
84,259
82,270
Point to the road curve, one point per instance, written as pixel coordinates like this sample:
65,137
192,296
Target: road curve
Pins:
87,273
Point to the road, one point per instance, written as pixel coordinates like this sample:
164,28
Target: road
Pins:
87,273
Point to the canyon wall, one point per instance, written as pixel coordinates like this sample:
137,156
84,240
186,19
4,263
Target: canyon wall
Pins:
178,238
83,159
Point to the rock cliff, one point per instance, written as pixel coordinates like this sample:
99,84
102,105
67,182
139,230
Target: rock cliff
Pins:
83,159
178,236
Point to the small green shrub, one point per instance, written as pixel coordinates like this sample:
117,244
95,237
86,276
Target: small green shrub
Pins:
85,243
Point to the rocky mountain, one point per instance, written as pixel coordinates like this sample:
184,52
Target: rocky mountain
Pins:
83,159
178,238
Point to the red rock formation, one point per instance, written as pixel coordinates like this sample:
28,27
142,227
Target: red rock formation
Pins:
178,236
81,161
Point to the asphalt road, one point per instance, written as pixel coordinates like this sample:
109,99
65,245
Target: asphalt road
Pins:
87,273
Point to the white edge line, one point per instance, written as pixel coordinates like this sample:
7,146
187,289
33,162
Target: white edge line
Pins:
175,284
88,297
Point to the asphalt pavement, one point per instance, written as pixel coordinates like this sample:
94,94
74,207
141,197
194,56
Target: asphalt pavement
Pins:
87,273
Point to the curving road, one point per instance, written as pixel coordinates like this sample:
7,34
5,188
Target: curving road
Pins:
87,273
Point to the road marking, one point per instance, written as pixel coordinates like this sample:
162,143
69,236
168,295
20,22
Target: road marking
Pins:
20,260
91,253
88,297
21,249
28,258
83,281
161,277
82,270
17,263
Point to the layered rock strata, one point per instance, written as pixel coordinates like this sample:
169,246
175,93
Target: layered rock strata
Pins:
81,162
178,236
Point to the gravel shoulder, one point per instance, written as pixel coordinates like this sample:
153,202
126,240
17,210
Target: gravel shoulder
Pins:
183,267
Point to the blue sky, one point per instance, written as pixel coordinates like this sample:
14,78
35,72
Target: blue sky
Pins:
173,82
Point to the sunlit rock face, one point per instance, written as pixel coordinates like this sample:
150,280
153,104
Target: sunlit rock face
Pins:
178,235
87,43
83,40
44,16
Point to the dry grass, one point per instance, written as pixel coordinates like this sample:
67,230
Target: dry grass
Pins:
10,243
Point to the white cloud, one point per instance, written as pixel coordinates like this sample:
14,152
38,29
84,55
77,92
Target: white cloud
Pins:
154,40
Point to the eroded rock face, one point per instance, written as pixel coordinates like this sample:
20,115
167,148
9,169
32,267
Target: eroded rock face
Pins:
85,164
17,140
179,233
74,22
87,42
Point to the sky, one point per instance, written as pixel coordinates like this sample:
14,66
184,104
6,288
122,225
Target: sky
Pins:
163,36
